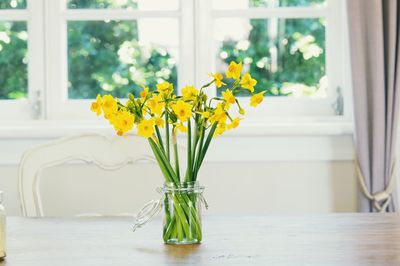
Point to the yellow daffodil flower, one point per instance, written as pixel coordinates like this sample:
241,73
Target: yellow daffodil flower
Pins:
165,88
235,123
96,106
248,82
122,121
109,106
146,128
221,128
228,97
180,127
189,93
205,114
256,99
147,112
219,115
144,93
182,110
234,70
218,79
159,122
156,104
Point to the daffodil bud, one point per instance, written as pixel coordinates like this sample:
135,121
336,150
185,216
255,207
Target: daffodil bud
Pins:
131,97
242,111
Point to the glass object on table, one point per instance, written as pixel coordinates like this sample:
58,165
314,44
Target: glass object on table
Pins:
2,228
182,213
182,204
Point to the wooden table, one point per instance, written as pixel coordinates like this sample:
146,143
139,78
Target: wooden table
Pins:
331,239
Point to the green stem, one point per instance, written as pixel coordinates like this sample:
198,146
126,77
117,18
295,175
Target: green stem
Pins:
160,138
188,176
179,229
176,156
166,173
207,85
197,160
196,136
167,134
205,146
182,207
181,211
165,165
186,214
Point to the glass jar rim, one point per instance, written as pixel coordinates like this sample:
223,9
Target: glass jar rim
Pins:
183,187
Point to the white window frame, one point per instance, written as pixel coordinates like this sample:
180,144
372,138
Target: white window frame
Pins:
57,16
47,79
285,108
28,108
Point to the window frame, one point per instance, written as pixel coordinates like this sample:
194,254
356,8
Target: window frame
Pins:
58,106
336,66
47,79
28,108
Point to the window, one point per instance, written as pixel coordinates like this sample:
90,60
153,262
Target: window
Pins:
57,55
294,48
19,79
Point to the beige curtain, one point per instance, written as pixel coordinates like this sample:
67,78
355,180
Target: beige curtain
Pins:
374,46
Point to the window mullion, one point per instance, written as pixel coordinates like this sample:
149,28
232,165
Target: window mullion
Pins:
204,44
186,67
13,15
122,14
36,76
334,51
273,12
55,57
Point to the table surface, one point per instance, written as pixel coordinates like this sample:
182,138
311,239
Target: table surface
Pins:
326,239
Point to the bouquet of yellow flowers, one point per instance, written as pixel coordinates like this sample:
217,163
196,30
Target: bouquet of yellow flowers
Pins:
192,113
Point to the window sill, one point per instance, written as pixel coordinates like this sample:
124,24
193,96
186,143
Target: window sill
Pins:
300,140
43,129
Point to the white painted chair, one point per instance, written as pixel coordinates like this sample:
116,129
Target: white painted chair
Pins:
106,153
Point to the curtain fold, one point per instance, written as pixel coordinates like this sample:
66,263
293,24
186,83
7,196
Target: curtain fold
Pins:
374,48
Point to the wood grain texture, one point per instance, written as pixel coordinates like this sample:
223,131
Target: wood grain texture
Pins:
331,239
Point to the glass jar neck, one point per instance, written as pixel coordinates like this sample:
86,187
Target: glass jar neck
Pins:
183,187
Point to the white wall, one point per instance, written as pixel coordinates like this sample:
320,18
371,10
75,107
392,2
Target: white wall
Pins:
258,170
256,187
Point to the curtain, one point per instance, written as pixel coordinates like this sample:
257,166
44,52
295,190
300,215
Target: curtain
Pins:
374,48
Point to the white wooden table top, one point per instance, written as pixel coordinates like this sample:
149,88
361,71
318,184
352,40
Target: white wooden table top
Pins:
326,239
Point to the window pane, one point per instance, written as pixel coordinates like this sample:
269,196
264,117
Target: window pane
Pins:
286,56
118,57
12,4
13,60
244,4
129,4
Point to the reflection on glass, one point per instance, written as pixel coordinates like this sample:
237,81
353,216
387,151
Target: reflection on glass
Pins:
13,60
286,56
12,4
118,57
244,4
125,4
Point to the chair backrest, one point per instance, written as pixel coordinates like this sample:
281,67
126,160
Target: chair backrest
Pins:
107,153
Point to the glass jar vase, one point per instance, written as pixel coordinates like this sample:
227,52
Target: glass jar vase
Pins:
182,213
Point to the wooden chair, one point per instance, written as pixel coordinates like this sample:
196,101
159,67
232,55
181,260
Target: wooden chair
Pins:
106,153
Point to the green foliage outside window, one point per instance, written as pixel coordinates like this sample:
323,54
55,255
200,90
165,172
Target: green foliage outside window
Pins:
13,61
106,57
